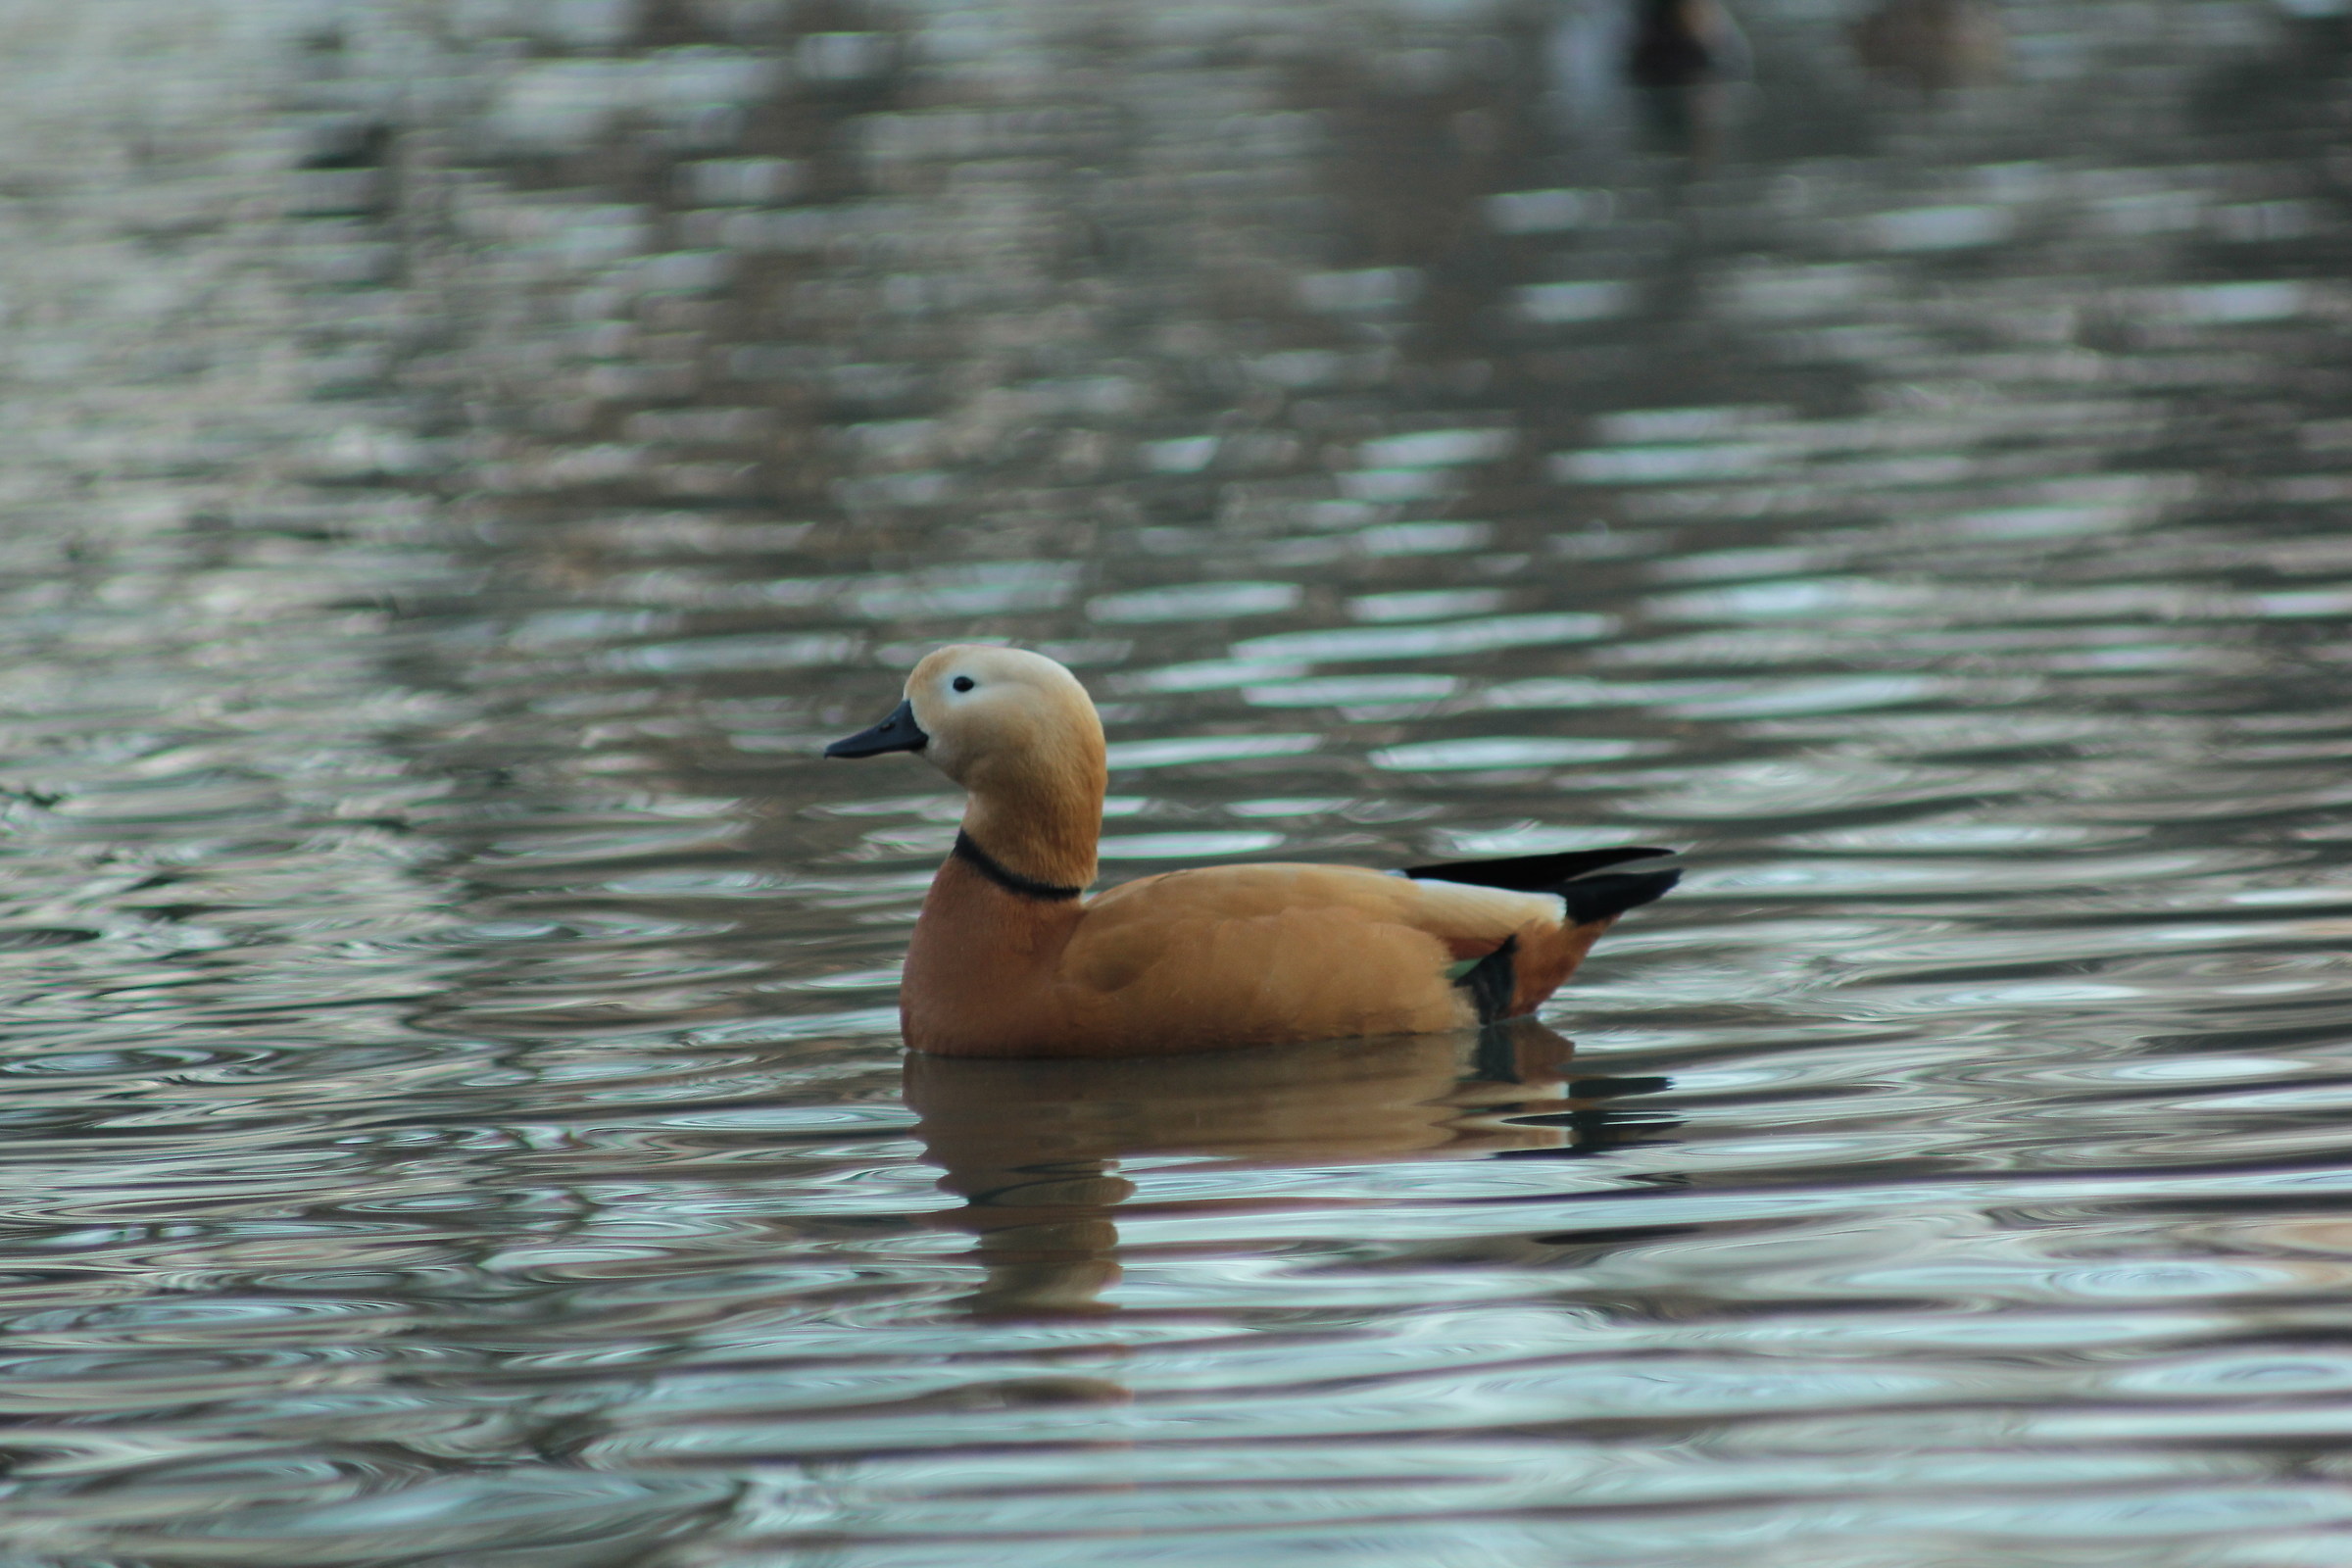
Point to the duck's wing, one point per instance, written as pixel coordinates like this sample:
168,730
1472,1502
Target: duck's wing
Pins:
1293,952
1303,952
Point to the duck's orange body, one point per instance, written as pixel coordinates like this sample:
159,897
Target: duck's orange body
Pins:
1009,959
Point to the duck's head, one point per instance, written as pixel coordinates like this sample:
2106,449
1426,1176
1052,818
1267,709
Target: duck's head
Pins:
996,720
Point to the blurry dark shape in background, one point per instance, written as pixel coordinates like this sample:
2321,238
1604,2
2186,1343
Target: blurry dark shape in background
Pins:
1934,45
1678,43
1616,68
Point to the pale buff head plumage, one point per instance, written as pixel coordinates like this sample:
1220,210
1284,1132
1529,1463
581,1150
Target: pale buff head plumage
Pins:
1019,732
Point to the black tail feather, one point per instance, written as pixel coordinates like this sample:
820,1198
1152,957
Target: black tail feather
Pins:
1603,898
1532,873
1569,877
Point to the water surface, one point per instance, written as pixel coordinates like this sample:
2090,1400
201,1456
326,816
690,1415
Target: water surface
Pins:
463,461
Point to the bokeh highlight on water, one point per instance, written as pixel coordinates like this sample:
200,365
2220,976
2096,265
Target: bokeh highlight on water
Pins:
464,457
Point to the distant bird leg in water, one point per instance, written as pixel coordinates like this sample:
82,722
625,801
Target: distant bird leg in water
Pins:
1678,43
1613,65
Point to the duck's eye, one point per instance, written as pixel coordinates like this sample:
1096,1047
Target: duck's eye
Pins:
962,683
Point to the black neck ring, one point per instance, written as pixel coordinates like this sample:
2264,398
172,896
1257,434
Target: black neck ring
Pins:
1006,877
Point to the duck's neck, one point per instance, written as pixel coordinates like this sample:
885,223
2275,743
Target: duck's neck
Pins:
1042,828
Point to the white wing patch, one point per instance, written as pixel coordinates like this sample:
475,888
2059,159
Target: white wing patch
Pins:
1452,901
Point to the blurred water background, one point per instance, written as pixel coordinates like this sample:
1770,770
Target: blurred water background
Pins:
462,458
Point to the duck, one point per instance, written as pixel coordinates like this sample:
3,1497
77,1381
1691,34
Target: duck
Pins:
1009,957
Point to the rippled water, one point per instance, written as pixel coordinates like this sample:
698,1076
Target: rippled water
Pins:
463,458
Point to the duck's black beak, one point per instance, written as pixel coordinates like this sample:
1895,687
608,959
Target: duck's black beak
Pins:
897,733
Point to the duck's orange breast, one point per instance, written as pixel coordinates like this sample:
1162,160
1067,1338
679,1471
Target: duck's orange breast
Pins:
980,969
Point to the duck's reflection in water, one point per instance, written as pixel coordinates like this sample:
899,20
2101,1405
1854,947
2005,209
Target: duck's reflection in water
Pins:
1034,1148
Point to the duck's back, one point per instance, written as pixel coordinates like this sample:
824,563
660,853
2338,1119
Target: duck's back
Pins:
1456,913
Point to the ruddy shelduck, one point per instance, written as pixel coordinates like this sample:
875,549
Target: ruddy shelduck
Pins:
1010,959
